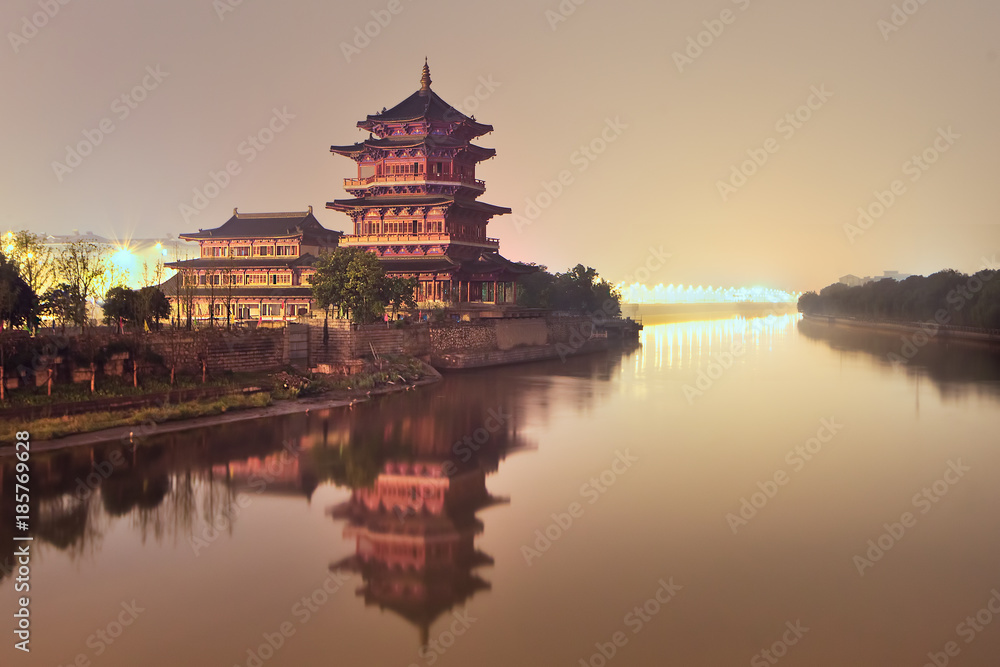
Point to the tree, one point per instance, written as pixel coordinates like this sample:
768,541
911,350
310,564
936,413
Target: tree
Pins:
581,289
946,296
189,281
63,303
139,309
34,260
534,289
119,306
211,276
229,290
352,282
18,303
152,305
399,293
82,265
329,281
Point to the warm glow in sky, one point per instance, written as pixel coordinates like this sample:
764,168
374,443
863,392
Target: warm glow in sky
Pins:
740,137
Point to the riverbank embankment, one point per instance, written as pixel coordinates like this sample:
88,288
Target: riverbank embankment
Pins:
935,331
130,424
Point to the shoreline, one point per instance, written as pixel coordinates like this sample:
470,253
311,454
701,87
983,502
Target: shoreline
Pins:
941,333
277,409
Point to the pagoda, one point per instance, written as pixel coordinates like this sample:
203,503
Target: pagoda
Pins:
415,202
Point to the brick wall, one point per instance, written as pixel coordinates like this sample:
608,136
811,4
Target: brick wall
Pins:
506,334
258,350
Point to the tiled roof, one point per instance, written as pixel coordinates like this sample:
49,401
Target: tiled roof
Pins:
244,263
270,225
424,105
425,200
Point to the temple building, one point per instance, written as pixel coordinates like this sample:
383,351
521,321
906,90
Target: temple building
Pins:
415,202
256,264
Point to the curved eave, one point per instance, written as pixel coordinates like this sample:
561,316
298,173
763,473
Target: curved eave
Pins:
356,150
477,128
346,205
348,151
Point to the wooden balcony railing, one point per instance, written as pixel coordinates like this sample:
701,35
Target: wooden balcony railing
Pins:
413,178
433,237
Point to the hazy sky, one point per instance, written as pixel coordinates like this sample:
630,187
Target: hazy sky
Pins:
550,83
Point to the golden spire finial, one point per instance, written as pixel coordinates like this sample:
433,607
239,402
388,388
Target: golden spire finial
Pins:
425,77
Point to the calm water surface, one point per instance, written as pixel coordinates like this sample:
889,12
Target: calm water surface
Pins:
777,485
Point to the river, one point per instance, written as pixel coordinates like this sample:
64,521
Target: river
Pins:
730,492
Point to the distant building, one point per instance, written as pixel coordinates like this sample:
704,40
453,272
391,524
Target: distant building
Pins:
852,280
259,262
133,262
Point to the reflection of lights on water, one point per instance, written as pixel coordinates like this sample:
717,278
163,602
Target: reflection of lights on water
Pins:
692,344
637,293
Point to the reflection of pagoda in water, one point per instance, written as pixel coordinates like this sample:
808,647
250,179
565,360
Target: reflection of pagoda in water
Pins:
414,534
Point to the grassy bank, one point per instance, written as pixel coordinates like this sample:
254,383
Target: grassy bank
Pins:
55,427
386,374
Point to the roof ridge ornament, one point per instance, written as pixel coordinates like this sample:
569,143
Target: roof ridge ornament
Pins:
425,78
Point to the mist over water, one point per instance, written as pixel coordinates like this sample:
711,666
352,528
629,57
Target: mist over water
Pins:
730,487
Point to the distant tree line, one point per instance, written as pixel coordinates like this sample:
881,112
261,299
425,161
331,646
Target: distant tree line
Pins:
580,289
972,301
